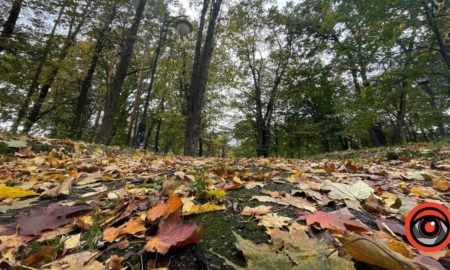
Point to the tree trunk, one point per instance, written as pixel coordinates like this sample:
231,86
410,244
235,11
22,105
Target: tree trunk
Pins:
199,78
35,82
137,101
399,136
80,118
10,23
105,133
263,140
377,135
443,48
157,134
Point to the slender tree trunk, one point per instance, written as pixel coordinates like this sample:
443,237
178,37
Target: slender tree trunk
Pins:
105,133
157,134
199,78
399,135
80,118
10,23
432,24
37,75
33,117
137,101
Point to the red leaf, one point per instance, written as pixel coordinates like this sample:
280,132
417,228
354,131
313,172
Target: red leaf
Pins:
173,233
339,221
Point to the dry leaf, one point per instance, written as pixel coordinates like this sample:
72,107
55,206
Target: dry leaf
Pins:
173,233
165,209
15,192
257,211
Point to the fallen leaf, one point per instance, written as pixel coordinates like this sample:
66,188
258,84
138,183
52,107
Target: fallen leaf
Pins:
189,208
173,233
17,205
72,241
339,191
47,218
115,263
339,221
257,211
425,192
273,220
15,192
374,252
288,251
83,260
133,226
39,256
392,225
442,185
165,209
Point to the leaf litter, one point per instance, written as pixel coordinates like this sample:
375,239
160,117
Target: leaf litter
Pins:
83,206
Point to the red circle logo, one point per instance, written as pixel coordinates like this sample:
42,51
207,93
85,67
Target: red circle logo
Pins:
427,227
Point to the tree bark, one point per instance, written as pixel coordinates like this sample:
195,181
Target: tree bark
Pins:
80,118
37,74
10,23
399,135
199,77
432,24
105,132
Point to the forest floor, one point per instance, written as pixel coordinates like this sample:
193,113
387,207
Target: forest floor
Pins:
71,205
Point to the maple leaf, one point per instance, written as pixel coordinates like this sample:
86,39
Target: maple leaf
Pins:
288,251
339,191
164,209
40,219
132,227
338,221
173,233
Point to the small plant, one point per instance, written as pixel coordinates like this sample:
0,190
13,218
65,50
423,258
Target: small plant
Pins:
200,183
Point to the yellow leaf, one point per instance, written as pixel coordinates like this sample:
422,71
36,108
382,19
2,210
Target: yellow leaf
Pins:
189,208
442,185
15,192
399,247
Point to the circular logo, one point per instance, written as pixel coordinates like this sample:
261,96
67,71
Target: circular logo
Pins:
427,227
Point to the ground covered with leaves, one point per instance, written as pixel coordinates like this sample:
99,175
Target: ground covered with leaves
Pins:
71,205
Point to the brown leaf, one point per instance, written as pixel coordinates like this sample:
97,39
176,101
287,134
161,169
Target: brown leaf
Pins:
257,211
132,227
375,253
39,256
